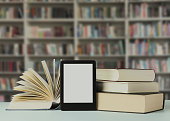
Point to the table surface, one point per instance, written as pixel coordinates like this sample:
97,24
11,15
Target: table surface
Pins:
58,115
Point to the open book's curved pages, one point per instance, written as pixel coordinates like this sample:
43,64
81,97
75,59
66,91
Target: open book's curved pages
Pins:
37,93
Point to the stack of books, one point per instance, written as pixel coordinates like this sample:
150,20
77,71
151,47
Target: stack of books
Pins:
128,90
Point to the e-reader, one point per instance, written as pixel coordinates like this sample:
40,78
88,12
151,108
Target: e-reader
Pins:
78,85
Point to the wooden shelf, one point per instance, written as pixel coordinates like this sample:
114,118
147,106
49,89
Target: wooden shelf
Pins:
10,3
11,56
148,1
51,56
66,20
11,73
144,19
165,91
163,73
102,2
51,3
153,38
148,56
101,38
13,38
51,38
101,20
102,56
11,20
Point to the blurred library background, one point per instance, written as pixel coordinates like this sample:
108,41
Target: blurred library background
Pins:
115,33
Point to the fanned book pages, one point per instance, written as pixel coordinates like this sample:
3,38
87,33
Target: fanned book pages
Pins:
37,92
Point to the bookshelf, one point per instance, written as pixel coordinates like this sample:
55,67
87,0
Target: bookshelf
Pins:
115,27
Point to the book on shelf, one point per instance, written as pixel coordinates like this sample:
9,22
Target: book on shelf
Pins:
139,29
164,82
148,47
11,0
9,31
55,31
51,0
11,49
101,1
7,83
2,98
11,66
159,65
11,12
143,10
110,63
125,74
37,92
51,49
101,48
127,87
137,103
50,12
107,30
165,29
165,10
103,12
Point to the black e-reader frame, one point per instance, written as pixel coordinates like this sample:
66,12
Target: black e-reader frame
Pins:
78,106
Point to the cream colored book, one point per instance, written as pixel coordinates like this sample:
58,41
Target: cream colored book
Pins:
127,87
137,103
37,93
125,74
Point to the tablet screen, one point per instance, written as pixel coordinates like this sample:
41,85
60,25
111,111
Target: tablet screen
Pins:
78,83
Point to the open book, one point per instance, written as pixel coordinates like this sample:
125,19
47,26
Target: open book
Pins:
37,93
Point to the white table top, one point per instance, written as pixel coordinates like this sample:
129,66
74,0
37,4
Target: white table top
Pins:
57,115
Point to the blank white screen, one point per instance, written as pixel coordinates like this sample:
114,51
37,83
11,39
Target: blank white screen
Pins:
78,83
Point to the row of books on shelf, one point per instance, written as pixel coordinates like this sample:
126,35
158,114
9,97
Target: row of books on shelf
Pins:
165,28
103,49
51,49
101,12
7,83
147,47
145,29
110,64
10,31
37,66
159,65
14,49
100,30
164,82
11,66
165,10
55,31
143,10
2,98
100,0
50,12
51,0
155,29
11,12
11,0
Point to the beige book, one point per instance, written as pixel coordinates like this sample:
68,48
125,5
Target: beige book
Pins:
125,74
37,93
137,103
127,87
